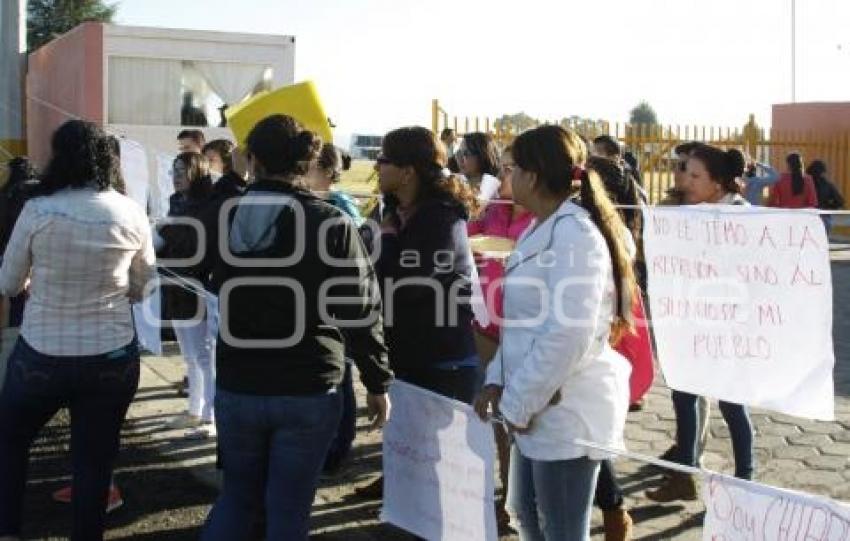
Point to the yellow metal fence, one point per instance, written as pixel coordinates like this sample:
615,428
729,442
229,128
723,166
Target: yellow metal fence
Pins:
653,145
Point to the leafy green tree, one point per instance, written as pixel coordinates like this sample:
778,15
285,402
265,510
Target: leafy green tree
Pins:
516,123
643,113
48,19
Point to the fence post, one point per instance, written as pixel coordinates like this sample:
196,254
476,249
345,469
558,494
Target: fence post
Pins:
435,116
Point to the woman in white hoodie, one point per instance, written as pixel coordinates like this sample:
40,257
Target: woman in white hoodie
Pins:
567,296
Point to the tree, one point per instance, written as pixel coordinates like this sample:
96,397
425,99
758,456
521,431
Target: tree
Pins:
515,123
643,113
48,19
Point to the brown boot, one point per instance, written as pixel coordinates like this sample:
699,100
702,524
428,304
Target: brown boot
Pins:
676,486
618,525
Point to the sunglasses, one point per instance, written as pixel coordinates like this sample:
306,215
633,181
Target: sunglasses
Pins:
683,166
383,160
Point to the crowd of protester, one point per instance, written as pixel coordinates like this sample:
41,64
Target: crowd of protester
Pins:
77,253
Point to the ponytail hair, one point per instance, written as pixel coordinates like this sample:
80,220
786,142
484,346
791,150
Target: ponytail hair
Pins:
795,166
556,156
724,166
419,148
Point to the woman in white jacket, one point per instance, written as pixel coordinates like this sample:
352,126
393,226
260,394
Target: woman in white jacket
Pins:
555,378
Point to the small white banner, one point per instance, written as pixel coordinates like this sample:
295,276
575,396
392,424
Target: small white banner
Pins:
741,304
739,510
438,467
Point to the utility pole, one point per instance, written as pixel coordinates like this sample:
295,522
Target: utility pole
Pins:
793,51
13,33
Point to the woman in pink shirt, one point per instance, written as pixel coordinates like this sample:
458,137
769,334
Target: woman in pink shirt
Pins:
795,190
505,219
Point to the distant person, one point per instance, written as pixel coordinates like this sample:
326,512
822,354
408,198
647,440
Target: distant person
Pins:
190,114
449,139
191,141
87,252
608,146
479,164
325,173
277,399
226,181
21,185
829,198
757,177
795,189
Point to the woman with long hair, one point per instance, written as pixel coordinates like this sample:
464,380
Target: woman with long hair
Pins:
87,252
795,189
425,265
503,221
190,307
479,162
568,294
711,177
829,198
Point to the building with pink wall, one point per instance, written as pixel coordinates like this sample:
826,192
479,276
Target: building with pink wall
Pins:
819,118
64,81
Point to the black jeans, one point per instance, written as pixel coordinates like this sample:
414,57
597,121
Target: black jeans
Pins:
609,495
97,390
347,430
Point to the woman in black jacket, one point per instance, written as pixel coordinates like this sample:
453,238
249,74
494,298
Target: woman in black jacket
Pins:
425,265
293,276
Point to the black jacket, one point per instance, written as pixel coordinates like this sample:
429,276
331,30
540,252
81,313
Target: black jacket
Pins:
273,300
431,319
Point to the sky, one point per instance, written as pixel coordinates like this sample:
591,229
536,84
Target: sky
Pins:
379,63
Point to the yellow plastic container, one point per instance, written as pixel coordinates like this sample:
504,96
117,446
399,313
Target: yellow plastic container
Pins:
300,101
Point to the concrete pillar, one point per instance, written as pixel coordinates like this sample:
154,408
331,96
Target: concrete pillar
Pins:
13,34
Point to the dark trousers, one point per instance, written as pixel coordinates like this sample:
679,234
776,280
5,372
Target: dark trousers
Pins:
344,438
609,495
97,390
740,430
460,382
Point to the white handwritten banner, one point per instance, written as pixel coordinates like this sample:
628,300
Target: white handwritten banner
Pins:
739,510
741,302
438,467
165,183
134,169
147,316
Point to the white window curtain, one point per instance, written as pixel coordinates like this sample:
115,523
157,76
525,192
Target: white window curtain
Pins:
232,82
144,91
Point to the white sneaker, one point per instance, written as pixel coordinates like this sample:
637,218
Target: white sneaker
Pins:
202,432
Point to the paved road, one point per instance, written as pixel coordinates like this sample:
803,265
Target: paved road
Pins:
168,480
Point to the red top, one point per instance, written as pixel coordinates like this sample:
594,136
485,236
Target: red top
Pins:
782,195
499,221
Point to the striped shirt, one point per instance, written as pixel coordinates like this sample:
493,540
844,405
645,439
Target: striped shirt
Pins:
86,254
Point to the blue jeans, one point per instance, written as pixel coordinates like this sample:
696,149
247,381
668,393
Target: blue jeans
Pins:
272,451
97,390
552,499
740,430
344,438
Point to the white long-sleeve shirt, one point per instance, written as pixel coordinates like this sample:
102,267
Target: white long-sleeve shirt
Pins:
86,254
558,307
